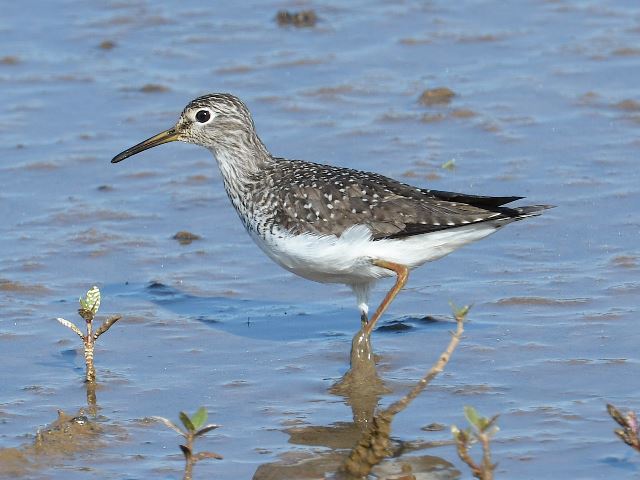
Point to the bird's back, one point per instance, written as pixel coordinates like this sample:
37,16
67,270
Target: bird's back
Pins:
306,197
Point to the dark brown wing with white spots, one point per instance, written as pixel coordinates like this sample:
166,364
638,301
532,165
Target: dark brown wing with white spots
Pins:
327,200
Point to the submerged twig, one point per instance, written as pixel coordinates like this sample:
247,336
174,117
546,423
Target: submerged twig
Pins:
374,445
482,430
194,427
89,306
630,431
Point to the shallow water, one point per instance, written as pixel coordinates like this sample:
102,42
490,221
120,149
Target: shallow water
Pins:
547,106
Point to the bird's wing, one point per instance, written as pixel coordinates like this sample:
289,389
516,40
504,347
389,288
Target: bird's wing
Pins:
328,200
475,200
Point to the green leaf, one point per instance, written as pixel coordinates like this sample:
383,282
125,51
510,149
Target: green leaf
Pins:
620,433
186,421
462,436
92,300
449,164
459,312
491,422
72,326
199,418
616,415
472,416
206,429
170,424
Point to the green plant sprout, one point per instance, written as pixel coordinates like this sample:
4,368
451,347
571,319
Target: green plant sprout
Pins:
89,306
460,313
194,427
449,165
482,430
630,431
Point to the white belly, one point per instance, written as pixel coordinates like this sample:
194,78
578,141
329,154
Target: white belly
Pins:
347,259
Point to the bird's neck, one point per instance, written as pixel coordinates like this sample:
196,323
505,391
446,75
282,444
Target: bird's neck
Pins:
242,165
242,160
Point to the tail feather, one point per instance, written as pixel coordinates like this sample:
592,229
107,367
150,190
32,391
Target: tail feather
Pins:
481,201
530,210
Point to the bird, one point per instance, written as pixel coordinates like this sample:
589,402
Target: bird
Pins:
327,223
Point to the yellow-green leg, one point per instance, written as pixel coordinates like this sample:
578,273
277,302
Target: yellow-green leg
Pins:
402,273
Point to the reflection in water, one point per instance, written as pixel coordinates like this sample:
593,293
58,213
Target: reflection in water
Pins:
92,401
67,435
358,448
374,445
361,386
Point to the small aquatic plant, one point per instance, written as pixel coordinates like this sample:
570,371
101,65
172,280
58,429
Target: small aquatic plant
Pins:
374,445
630,431
482,430
194,427
89,306
449,164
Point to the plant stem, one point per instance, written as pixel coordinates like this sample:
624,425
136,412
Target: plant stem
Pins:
189,458
463,453
487,466
88,351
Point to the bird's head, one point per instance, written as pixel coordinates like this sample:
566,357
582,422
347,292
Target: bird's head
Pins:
214,121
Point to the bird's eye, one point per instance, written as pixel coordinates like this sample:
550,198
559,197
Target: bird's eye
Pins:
203,116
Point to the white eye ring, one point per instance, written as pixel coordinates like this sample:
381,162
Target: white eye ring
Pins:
203,116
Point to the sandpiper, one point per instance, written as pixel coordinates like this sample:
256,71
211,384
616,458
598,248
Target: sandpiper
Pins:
327,223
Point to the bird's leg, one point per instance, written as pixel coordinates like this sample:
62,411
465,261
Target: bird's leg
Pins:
362,293
402,273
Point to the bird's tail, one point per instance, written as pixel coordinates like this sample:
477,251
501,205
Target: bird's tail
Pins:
530,210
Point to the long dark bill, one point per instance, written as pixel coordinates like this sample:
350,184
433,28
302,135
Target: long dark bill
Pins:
167,136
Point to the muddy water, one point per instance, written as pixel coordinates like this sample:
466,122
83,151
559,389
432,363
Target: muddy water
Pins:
546,105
